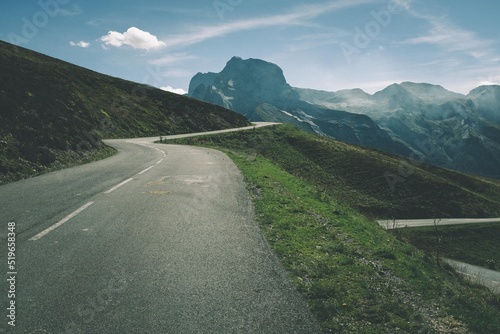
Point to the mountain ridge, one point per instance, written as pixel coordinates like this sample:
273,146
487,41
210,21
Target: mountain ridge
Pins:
258,90
419,120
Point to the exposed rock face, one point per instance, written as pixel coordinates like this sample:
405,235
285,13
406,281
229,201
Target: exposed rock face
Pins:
418,120
258,90
243,85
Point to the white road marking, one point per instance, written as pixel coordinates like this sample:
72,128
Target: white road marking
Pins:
118,186
144,171
162,151
62,221
159,162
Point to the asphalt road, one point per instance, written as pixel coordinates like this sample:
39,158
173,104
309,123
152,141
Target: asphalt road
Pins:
480,275
401,223
156,239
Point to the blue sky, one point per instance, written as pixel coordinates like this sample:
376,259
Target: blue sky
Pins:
328,45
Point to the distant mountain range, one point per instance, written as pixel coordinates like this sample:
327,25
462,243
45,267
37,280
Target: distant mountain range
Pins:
423,122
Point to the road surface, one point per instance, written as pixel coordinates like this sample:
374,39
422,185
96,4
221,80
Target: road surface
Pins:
480,275
401,223
483,276
156,239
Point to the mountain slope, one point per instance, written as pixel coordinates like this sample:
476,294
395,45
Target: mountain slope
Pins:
441,127
375,183
54,113
416,120
259,91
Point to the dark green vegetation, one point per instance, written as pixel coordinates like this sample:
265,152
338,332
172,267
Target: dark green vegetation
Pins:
474,244
54,114
376,184
356,277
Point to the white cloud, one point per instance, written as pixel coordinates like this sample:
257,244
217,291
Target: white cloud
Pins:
136,38
179,91
81,44
488,83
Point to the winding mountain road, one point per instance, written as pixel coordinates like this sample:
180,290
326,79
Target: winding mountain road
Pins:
156,239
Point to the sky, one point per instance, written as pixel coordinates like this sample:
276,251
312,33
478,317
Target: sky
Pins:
327,45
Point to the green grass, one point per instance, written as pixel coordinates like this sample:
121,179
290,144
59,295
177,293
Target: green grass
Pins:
477,244
357,176
355,277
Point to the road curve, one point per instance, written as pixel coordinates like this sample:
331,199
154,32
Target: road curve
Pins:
156,239
401,223
486,277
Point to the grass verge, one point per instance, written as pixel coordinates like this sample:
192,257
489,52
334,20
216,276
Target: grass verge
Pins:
355,277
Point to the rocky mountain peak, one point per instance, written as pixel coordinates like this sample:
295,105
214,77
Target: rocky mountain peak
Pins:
463,131
252,81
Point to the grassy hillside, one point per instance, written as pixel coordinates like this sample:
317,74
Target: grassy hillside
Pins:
376,184
356,277
477,244
54,113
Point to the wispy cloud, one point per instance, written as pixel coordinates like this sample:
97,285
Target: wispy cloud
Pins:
311,41
452,38
177,73
299,16
173,58
81,44
73,11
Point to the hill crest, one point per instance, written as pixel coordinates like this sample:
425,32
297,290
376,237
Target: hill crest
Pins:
55,113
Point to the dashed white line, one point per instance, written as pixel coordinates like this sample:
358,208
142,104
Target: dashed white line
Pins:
144,171
62,221
118,186
159,162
